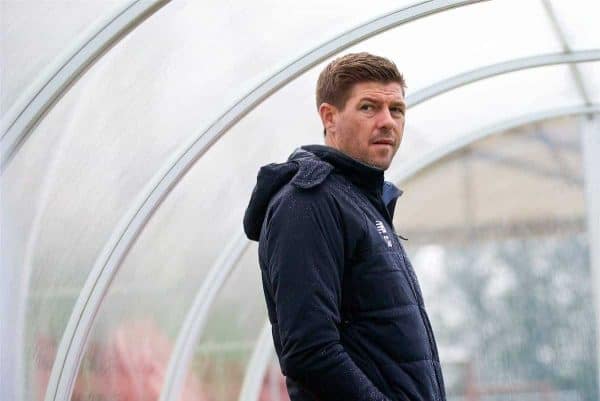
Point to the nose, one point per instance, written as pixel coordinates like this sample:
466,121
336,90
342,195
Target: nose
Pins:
385,120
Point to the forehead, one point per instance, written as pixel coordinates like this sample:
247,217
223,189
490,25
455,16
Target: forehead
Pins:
389,92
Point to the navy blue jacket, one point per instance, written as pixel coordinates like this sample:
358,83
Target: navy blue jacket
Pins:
347,314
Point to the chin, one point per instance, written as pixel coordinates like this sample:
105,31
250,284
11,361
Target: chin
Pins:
381,161
379,164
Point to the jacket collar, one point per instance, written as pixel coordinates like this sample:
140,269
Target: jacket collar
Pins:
362,175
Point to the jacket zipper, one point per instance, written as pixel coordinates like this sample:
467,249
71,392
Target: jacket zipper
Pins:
419,300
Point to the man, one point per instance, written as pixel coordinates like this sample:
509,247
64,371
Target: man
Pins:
347,315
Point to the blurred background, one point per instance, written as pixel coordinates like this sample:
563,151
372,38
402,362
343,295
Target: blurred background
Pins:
132,133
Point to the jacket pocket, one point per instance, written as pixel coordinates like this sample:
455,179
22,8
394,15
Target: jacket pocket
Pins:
366,365
413,380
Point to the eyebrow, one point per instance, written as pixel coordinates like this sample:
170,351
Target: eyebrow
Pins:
373,100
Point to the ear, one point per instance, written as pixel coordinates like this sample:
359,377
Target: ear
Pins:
328,113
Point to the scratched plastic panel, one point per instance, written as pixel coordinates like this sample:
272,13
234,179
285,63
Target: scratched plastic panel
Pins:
221,364
138,324
34,34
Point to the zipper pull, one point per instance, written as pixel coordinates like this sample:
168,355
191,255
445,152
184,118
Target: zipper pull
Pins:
401,236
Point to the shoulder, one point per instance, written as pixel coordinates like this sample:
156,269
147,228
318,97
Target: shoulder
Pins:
311,173
311,192
312,180
306,198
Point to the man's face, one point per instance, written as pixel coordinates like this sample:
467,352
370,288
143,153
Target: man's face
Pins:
371,124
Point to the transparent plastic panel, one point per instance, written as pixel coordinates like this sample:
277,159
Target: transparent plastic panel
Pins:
35,33
273,385
578,22
506,277
495,175
142,315
230,336
459,40
50,235
447,117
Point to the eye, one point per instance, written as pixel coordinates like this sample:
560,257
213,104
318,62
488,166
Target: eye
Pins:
398,111
367,107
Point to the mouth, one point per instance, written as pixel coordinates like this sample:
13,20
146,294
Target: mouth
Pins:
388,142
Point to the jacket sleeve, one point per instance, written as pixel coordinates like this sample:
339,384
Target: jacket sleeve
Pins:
305,261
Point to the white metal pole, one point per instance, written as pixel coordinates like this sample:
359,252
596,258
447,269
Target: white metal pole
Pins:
590,142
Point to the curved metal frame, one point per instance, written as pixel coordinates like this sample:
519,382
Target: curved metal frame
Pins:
478,74
408,170
562,38
45,90
197,315
71,348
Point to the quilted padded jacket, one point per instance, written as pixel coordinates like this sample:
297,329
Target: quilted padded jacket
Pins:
347,314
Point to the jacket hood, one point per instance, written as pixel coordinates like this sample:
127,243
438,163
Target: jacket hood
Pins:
303,169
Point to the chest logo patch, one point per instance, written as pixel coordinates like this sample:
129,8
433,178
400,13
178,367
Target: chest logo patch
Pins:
383,232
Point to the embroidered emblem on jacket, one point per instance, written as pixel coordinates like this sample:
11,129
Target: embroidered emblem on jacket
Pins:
382,230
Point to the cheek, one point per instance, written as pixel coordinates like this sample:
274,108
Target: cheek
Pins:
354,134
